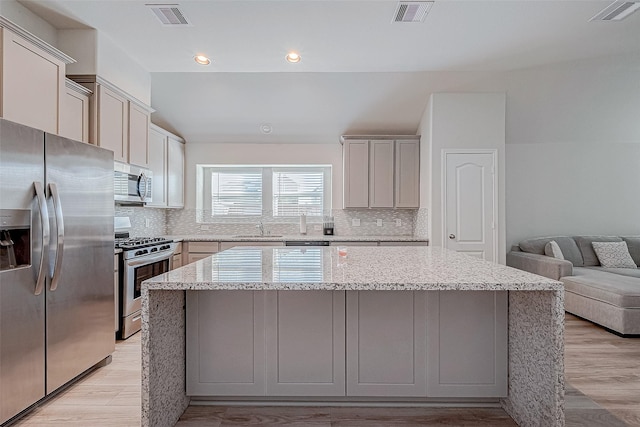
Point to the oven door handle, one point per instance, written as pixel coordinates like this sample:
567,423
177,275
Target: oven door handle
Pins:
148,259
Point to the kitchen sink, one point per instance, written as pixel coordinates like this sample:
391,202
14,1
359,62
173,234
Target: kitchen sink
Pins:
256,236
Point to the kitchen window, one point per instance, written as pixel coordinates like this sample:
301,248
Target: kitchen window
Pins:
267,191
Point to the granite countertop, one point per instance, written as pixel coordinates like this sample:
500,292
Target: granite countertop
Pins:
362,268
297,237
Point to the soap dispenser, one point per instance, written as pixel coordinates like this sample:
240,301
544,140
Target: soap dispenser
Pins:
303,223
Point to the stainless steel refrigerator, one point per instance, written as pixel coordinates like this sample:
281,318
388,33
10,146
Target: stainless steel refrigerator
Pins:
56,263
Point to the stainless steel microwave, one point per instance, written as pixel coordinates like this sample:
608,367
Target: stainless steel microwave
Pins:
131,184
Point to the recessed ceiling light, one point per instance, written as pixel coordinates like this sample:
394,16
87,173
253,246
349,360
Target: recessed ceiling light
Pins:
293,57
266,128
202,60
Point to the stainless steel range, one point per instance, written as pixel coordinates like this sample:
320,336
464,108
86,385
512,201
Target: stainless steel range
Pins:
141,259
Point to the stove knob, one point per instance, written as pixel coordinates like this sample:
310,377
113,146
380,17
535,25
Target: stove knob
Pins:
154,249
139,253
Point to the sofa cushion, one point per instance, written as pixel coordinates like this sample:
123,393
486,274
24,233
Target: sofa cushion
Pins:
589,257
616,289
633,243
567,245
553,250
613,255
630,272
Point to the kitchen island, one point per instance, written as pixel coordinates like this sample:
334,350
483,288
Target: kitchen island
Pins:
445,285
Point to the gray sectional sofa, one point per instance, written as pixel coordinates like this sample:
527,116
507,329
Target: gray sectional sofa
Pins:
607,296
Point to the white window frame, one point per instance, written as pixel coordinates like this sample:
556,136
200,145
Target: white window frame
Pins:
203,192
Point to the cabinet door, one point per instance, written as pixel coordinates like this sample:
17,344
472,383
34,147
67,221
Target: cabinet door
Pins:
32,83
157,164
176,261
467,333
193,257
225,343
138,135
175,173
381,174
386,343
74,116
407,174
112,123
305,342
356,174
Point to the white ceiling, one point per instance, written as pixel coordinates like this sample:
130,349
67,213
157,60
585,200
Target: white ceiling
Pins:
342,43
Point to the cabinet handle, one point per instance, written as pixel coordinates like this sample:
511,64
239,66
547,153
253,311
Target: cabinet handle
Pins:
452,236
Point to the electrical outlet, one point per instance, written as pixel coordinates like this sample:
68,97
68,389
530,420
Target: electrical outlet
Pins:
147,222
204,227
316,227
379,222
398,222
355,222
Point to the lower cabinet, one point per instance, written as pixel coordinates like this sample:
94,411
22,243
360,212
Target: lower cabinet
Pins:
386,343
258,343
470,328
360,344
225,343
305,343
199,250
176,260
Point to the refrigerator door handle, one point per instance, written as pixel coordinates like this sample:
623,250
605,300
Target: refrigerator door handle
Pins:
53,189
44,221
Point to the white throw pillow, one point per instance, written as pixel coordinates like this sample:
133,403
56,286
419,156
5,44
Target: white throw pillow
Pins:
613,254
553,249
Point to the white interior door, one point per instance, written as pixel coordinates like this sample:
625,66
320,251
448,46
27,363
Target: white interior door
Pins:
470,215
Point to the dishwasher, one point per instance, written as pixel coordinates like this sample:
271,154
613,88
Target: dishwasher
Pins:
306,243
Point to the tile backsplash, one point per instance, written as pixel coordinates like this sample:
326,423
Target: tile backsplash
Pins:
145,222
394,222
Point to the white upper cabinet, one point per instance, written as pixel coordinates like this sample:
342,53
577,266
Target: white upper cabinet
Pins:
175,172
117,121
32,79
166,161
407,174
356,174
381,172
138,135
74,116
157,164
112,123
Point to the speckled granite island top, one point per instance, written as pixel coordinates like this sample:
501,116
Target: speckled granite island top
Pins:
362,268
534,349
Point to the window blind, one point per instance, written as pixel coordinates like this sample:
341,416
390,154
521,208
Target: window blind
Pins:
296,193
296,265
236,193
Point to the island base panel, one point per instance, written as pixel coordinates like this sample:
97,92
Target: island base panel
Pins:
536,358
163,355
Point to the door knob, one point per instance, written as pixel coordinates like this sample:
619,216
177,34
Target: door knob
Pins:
452,236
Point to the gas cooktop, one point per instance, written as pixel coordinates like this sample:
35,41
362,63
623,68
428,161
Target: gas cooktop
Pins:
128,243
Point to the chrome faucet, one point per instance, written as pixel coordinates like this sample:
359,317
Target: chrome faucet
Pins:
260,226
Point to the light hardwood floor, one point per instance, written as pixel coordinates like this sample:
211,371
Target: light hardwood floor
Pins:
603,366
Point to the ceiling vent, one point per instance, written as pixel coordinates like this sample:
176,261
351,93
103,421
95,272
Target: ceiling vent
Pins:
412,11
616,11
169,14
